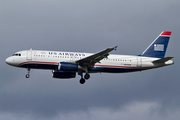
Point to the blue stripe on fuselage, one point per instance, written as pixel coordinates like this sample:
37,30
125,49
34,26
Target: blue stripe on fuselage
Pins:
115,70
95,69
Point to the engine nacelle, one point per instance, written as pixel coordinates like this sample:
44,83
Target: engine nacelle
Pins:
63,75
67,66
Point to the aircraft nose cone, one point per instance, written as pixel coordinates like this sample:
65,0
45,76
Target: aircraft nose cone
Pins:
12,61
8,61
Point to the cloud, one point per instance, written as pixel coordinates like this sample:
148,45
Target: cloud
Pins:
140,111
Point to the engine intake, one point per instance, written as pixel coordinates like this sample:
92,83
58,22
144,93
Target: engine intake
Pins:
63,75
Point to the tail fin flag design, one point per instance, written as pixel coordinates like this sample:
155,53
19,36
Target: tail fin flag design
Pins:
158,47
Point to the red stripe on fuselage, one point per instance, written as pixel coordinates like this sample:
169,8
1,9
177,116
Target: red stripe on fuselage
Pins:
112,66
56,63
38,62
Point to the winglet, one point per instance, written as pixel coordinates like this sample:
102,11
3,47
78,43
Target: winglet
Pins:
115,47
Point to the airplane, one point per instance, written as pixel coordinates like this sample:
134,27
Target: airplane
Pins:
65,65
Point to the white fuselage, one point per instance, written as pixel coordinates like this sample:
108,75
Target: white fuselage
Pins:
36,59
67,64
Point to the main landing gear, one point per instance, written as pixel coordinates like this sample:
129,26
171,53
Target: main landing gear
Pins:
27,76
86,77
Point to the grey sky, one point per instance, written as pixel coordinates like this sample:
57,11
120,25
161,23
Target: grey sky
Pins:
89,26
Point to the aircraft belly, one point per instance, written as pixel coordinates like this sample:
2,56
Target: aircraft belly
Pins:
121,70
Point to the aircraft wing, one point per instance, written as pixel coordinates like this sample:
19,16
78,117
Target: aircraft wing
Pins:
91,60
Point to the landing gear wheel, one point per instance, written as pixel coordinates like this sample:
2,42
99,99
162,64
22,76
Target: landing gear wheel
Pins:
82,81
86,76
27,76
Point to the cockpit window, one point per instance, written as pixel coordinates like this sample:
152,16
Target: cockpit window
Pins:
17,54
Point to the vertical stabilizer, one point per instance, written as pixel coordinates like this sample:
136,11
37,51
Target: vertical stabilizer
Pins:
158,47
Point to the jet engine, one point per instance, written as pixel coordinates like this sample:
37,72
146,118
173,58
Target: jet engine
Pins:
63,75
67,66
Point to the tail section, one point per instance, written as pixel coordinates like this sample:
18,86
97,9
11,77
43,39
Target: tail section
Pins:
158,47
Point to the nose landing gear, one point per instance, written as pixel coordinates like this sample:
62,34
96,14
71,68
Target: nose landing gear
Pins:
27,76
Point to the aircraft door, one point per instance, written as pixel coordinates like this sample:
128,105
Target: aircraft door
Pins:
139,61
29,55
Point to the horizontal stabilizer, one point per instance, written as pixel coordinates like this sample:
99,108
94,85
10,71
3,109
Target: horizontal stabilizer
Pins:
163,60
